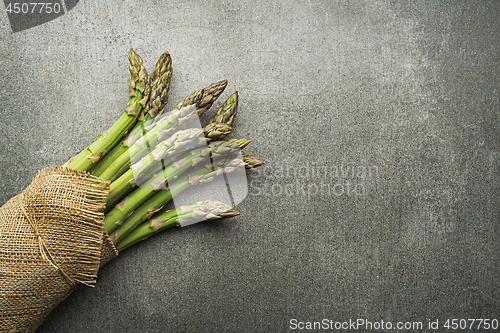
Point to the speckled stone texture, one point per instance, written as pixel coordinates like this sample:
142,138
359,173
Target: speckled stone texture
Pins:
379,124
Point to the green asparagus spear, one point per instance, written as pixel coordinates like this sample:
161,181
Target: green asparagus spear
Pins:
182,115
180,142
227,111
159,82
154,162
206,210
224,151
143,170
139,93
156,202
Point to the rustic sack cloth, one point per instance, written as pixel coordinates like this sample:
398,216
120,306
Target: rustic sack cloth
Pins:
51,239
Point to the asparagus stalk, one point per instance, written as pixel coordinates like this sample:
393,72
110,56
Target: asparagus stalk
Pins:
206,210
160,158
180,142
139,173
159,82
119,229
183,114
139,93
157,201
227,111
224,151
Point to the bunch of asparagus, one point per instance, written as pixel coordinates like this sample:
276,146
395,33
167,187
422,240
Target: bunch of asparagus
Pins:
150,155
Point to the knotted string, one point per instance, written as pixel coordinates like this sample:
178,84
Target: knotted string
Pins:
43,247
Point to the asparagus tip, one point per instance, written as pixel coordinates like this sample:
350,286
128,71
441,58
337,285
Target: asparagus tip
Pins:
252,161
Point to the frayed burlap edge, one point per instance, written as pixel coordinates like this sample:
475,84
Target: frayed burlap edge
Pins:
108,250
51,239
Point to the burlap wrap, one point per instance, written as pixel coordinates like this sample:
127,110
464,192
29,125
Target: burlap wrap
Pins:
51,239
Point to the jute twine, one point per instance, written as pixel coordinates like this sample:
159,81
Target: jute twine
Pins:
51,239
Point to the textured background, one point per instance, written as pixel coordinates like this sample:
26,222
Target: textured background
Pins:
408,90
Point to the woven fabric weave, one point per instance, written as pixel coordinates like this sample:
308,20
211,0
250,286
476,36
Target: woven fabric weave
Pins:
51,239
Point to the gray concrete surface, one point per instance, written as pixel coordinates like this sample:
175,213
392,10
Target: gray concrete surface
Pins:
406,93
